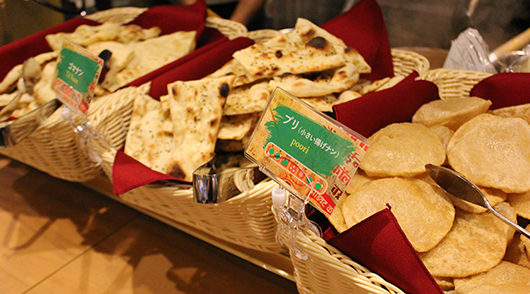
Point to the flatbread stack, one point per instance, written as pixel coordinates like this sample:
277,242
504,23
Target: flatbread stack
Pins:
463,245
309,62
135,52
196,111
147,140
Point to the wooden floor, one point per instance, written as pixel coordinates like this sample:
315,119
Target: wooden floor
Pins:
61,237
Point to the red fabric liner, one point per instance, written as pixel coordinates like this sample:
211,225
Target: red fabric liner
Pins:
504,89
373,111
379,244
127,173
127,169
173,18
363,28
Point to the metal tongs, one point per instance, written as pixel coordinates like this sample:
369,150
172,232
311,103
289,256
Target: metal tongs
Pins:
14,131
224,177
460,187
29,74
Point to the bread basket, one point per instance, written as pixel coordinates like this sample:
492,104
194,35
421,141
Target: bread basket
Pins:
245,220
53,147
327,270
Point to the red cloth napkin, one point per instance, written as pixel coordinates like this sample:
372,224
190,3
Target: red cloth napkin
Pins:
189,18
363,28
378,242
173,18
127,173
504,89
371,112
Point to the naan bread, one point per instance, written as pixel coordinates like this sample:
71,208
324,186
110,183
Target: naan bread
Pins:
85,35
300,51
247,99
6,98
152,54
24,108
308,31
135,33
11,79
237,126
121,53
326,103
44,88
146,141
121,56
317,84
232,67
196,111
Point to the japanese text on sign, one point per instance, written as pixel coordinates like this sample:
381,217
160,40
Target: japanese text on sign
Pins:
307,152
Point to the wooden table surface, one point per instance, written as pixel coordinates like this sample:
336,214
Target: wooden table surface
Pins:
62,237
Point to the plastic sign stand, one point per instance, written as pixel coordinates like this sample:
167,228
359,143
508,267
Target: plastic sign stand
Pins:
307,152
77,74
76,77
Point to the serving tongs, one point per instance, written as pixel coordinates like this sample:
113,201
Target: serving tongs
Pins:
14,131
460,187
224,177
29,74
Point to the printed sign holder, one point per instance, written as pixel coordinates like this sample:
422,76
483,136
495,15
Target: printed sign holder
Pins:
75,91
307,153
289,212
84,131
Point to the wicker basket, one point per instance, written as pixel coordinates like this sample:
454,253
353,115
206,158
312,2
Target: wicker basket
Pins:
406,62
262,36
327,270
245,220
453,83
54,148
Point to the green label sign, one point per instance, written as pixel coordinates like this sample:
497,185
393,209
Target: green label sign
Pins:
76,70
307,141
307,152
77,74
